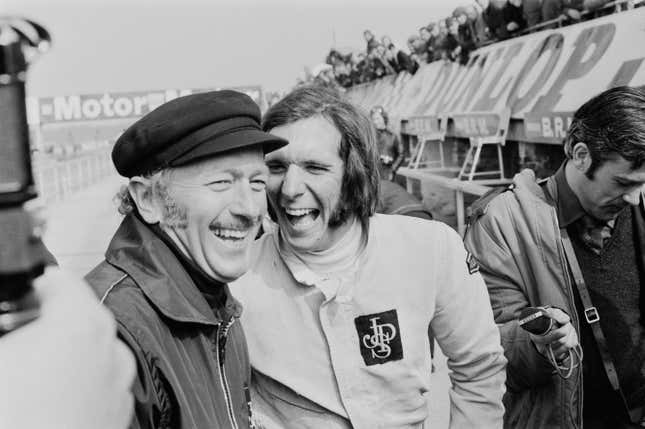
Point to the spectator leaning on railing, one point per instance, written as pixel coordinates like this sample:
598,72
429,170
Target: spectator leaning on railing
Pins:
397,58
437,42
466,35
451,48
514,17
370,40
476,21
455,37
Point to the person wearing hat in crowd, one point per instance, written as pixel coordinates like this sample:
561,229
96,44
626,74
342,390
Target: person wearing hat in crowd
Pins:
340,301
193,205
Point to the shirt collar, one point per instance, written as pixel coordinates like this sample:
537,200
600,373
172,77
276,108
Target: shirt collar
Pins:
144,256
568,206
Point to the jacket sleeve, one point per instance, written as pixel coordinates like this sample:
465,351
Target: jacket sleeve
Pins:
152,403
486,240
464,328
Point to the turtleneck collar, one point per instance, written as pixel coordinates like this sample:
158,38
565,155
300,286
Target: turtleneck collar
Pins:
328,268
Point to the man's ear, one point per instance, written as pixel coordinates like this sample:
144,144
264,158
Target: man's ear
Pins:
140,189
581,157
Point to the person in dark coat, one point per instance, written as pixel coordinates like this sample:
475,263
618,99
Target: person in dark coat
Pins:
514,16
493,14
466,34
390,149
193,206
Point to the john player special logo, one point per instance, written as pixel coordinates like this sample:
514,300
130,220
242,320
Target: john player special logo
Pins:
379,337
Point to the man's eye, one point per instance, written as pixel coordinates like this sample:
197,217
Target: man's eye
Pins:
258,185
276,168
316,169
219,185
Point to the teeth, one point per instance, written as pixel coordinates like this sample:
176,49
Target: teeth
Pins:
298,212
230,233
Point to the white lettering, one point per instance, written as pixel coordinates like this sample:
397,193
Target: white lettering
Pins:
558,125
546,127
67,108
139,102
91,108
379,341
106,102
123,106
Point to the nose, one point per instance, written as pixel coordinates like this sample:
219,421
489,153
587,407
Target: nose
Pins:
292,185
248,203
634,196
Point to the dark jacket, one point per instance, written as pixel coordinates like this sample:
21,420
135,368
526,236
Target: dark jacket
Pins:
406,63
496,23
192,360
390,152
396,200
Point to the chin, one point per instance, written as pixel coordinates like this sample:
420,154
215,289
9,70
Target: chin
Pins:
302,243
231,275
228,269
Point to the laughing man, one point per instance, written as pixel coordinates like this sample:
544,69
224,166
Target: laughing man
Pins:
193,205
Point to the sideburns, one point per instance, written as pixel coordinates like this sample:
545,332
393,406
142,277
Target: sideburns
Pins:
174,215
341,213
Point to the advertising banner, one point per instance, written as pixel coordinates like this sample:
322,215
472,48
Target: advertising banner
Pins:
542,77
111,105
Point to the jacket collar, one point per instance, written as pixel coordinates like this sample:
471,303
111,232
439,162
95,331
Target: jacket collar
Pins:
139,252
567,204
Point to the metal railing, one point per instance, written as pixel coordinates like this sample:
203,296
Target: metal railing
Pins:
57,179
609,8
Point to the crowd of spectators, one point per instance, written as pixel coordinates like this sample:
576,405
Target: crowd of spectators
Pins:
455,37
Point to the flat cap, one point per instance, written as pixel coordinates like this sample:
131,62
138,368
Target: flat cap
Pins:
190,128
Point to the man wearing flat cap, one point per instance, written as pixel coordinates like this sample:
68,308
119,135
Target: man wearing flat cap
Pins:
192,206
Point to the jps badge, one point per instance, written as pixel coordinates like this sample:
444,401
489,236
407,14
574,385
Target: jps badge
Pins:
379,337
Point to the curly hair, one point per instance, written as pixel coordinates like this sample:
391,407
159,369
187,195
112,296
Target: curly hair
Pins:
611,123
173,214
358,149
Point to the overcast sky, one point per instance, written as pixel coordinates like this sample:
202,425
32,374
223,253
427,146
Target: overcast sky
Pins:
120,45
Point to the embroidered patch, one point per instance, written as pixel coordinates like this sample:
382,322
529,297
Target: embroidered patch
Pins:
471,263
379,337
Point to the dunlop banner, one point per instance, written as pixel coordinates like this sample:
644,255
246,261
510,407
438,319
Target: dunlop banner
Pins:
542,77
109,105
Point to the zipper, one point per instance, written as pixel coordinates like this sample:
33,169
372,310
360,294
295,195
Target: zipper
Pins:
220,362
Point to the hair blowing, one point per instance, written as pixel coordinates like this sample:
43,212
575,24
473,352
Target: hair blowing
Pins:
610,124
360,185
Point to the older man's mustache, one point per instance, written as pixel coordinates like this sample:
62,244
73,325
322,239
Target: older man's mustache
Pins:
240,224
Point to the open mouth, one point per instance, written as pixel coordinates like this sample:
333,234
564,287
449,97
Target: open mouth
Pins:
301,217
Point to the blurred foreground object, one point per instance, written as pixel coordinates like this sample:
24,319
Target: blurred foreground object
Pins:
66,369
22,254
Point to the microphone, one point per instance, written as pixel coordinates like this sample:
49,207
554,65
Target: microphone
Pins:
536,320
